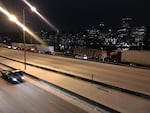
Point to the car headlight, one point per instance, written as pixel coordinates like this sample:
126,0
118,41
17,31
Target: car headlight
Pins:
14,79
22,77
85,57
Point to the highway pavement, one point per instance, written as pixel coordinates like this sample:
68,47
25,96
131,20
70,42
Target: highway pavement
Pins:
33,96
117,100
135,79
27,98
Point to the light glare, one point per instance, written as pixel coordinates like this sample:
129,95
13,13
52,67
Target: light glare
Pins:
42,17
14,19
33,9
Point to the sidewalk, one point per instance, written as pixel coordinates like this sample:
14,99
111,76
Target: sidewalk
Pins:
116,100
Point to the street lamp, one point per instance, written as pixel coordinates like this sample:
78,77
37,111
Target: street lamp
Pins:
33,8
25,29
24,34
12,18
40,15
24,38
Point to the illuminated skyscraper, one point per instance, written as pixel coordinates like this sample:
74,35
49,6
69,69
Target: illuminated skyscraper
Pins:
124,33
126,22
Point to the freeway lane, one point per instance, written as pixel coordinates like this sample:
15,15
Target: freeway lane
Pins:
70,101
28,98
125,77
116,100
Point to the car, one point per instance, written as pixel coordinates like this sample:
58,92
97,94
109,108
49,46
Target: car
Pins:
15,76
14,47
9,46
83,57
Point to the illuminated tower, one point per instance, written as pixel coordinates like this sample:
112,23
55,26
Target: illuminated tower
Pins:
126,22
124,33
101,27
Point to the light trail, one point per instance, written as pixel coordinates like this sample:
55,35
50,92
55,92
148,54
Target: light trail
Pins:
42,17
15,20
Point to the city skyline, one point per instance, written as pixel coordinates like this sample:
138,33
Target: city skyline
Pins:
78,15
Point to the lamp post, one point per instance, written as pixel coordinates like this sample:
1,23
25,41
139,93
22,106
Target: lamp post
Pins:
24,38
24,35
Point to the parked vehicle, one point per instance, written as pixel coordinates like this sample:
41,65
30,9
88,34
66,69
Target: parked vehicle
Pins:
14,47
9,46
83,57
15,76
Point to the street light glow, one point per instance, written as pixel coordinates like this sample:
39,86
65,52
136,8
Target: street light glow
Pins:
42,17
14,19
33,9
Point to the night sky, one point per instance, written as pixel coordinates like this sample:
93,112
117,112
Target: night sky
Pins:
76,15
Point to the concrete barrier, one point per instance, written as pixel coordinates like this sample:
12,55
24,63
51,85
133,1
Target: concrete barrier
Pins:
136,57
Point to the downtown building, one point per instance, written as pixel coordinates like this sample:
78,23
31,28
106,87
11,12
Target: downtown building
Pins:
124,33
133,37
141,37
